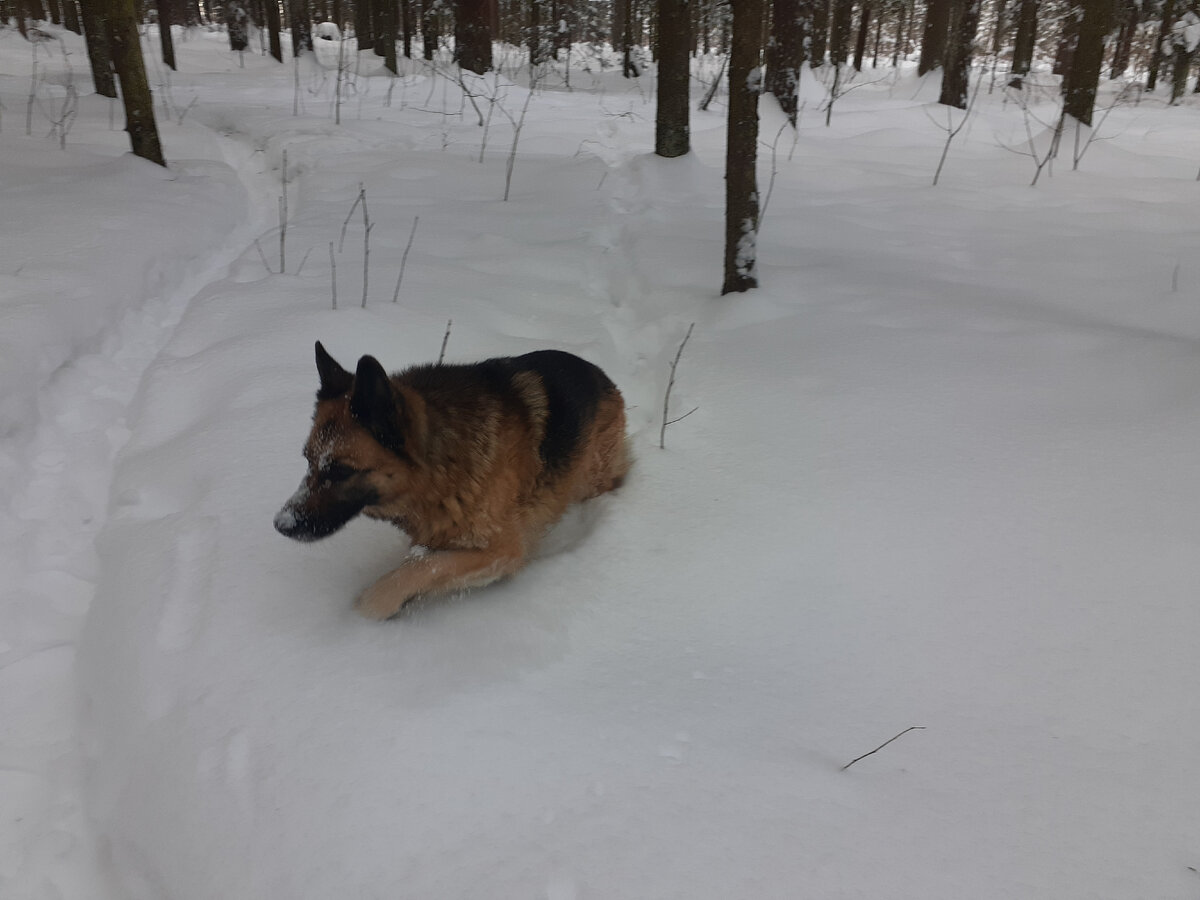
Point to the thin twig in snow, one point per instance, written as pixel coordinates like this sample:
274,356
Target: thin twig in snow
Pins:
404,259
333,273
881,746
662,434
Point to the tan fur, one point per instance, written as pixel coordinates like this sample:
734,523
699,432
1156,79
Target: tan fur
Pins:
474,497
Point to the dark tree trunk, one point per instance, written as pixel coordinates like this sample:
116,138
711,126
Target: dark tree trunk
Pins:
534,37
473,36
387,16
362,25
99,47
628,65
164,32
236,20
819,44
1127,12
839,30
741,181
271,13
406,26
430,29
1068,37
1164,30
1087,60
956,76
55,15
135,89
901,34
674,41
301,20
71,16
1024,41
933,36
788,33
864,26
878,38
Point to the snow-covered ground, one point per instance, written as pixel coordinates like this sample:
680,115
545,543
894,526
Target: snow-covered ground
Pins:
942,473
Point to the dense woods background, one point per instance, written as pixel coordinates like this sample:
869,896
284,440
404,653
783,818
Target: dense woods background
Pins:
999,40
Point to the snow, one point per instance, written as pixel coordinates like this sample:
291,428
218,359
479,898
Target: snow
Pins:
942,473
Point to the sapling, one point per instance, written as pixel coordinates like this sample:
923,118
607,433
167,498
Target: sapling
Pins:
951,129
404,258
662,433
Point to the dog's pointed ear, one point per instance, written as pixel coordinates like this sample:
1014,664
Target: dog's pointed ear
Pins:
335,380
377,406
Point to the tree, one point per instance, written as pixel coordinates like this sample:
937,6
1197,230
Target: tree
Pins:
165,18
301,26
1183,48
933,36
473,36
1023,43
94,14
273,26
741,154
135,89
1087,59
964,22
790,27
864,25
839,30
1156,54
671,136
237,21
819,32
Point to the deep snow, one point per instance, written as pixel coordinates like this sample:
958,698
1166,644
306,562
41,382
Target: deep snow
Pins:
942,473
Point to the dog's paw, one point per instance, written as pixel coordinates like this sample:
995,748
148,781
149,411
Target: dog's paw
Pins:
379,603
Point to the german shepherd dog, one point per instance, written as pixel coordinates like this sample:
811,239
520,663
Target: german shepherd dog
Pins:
474,462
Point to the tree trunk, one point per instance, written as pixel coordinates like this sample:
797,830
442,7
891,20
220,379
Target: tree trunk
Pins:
406,26
362,25
430,29
71,16
135,89
99,48
1123,48
741,154
628,65
1087,60
819,44
301,20
271,12
1024,41
1156,53
387,16
674,41
956,76
236,21
864,26
789,30
473,36
933,36
163,8
839,30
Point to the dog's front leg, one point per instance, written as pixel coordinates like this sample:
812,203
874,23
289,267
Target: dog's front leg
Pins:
439,572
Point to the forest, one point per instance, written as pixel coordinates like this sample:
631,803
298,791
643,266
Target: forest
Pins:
898,597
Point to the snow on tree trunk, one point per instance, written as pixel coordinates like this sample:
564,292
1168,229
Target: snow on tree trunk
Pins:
741,182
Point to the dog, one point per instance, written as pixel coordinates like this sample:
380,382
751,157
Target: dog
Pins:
474,462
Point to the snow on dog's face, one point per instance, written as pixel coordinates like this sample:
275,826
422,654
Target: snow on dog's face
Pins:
355,447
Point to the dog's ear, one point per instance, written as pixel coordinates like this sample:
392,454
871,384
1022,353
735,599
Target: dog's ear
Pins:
377,406
335,380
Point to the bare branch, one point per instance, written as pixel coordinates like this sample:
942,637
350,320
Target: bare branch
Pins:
881,746
445,341
404,259
662,434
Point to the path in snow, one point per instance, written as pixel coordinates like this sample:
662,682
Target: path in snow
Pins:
58,473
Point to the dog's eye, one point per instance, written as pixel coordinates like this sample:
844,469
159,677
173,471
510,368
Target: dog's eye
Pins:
336,472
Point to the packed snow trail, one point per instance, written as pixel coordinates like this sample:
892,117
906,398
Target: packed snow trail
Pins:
56,466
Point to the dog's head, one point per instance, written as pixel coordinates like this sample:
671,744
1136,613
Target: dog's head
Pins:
358,451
